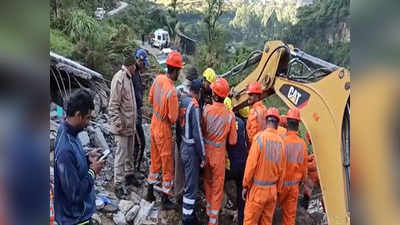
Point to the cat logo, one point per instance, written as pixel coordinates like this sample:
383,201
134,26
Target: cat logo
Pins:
293,95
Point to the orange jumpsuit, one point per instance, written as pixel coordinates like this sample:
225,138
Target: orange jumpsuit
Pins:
163,97
218,126
263,177
312,176
256,121
296,169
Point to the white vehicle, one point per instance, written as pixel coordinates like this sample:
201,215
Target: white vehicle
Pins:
99,13
166,51
161,39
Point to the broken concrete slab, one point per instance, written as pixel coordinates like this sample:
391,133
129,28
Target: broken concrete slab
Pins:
119,218
84,137
97,218
145,208
99,140
110,208
125,206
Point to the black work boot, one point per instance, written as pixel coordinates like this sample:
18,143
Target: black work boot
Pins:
131,180
150,194
167,204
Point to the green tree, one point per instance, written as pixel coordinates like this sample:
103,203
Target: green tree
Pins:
212,14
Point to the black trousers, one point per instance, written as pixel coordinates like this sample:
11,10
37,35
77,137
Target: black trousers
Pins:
140,143
237,175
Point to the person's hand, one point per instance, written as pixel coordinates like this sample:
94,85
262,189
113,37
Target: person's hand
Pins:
244,193
203,163
97,166
94,154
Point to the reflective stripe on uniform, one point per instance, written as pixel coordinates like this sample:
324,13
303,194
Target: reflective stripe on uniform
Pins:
259,142
187,120
188,201
263,183
83,223
197,113
290,183
187,211
167,184
216,124
159,116
212,212
167,190
169,93
155,175
213,143
151,181
153,178
212,220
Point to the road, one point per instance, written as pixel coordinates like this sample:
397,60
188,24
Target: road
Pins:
122,6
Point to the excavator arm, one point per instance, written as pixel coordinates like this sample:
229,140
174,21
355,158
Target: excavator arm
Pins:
321,91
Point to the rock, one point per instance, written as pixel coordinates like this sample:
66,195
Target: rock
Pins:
97,218
130,216
99,204
145,208
84,137
135,197
99,139
110,208
125,206
119,218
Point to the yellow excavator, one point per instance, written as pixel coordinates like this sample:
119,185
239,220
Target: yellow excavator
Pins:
321,91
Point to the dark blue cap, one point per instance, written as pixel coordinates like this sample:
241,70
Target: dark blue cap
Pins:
196,85
142,54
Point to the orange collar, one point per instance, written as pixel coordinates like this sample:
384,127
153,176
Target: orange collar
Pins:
258,103
219,104
291,132
273,130
169,79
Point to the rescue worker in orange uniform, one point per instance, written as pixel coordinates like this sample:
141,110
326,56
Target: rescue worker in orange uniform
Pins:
264,173
282,127
163,97
219,128
296,168
256,121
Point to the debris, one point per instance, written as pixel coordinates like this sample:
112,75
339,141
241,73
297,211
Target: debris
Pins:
100,203
97,218
99,140
135,198
84,137
130,216
110,208
119,218
145,208
125,206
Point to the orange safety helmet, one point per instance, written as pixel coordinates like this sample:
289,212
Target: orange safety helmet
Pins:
254,88
174,59
294,114
273,112
221,87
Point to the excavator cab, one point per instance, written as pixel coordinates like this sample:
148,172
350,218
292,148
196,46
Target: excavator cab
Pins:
321,91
